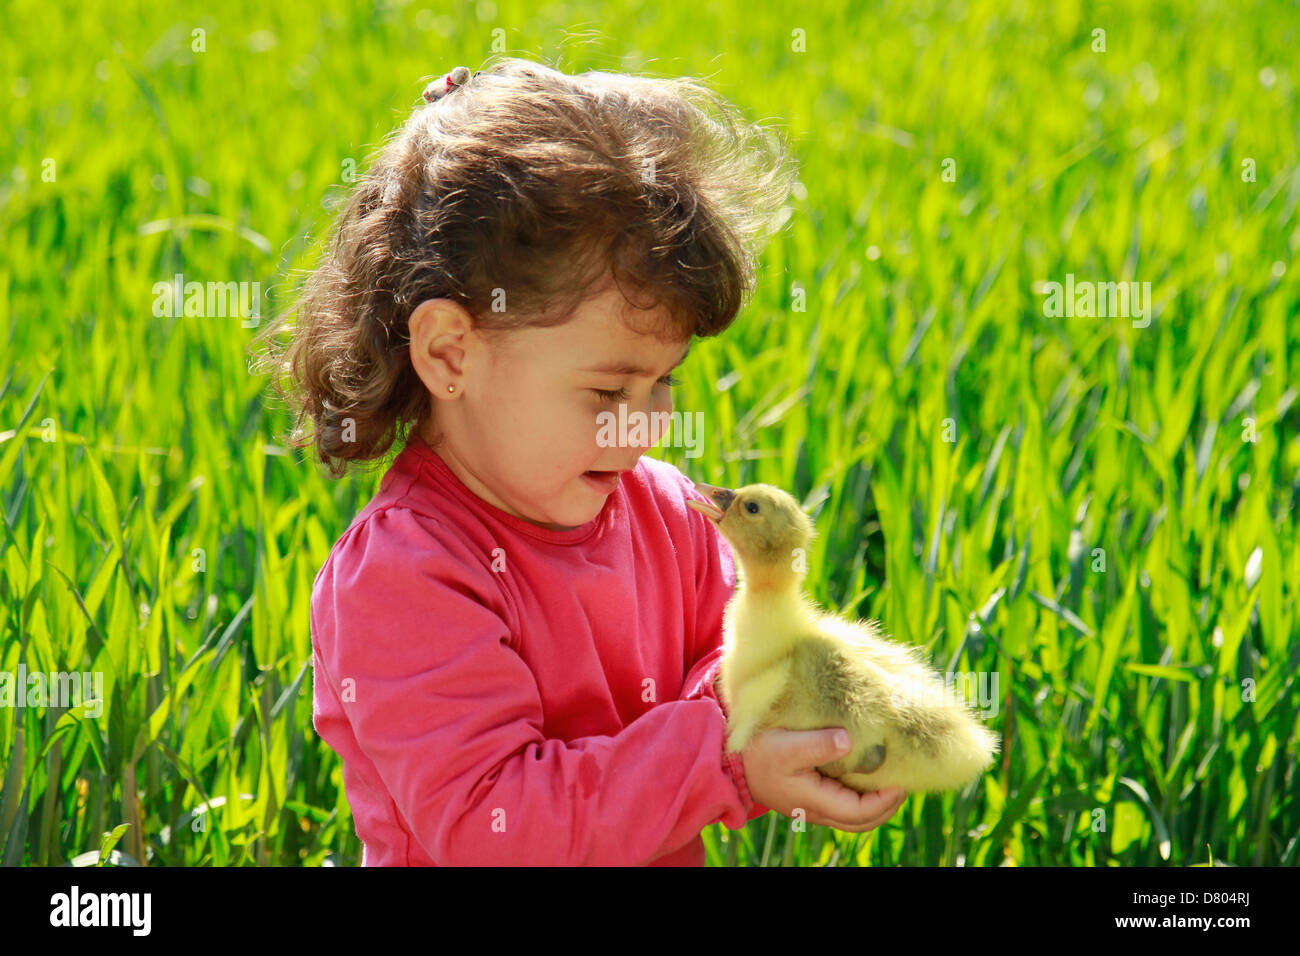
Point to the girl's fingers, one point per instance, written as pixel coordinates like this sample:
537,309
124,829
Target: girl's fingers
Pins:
844,808
847,803
857,827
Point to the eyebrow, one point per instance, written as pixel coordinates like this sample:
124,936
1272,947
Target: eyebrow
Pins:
630,368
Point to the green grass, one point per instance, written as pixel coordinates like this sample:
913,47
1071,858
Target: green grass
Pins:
964,453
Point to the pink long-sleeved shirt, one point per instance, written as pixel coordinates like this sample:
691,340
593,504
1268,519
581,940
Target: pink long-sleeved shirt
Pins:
500,693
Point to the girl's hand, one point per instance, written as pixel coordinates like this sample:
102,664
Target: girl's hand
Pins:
781,770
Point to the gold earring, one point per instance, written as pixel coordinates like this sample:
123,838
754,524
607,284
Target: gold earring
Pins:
451,388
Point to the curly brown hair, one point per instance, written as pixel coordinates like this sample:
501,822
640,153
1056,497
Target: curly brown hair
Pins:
528,185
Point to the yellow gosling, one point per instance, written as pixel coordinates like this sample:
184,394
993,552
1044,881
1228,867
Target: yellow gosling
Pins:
787,663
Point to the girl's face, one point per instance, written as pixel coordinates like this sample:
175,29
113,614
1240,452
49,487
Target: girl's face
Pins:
524,424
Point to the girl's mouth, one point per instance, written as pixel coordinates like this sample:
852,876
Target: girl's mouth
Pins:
602,481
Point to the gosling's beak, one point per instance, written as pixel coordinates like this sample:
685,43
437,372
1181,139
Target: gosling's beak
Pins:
721,501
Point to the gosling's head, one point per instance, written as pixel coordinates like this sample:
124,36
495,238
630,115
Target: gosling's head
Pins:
767,530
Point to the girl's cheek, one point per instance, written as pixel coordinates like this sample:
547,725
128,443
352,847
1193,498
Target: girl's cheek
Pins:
592,423
603,425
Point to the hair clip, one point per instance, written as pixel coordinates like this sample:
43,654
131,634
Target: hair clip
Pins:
446,83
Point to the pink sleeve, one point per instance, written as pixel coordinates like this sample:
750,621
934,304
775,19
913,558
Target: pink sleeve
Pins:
451,718
715,582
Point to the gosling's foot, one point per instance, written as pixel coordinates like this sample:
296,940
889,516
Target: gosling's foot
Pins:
871,759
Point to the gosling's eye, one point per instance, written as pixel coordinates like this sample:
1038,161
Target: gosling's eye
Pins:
751,507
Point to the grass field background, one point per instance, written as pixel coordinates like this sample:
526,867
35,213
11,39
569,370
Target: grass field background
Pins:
1099,512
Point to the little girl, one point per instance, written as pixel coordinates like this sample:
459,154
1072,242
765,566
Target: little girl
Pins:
515,641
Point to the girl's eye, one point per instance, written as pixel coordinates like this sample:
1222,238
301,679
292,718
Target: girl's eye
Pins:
621,394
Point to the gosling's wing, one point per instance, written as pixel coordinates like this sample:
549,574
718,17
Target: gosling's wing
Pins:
833,684
866,643
835,690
